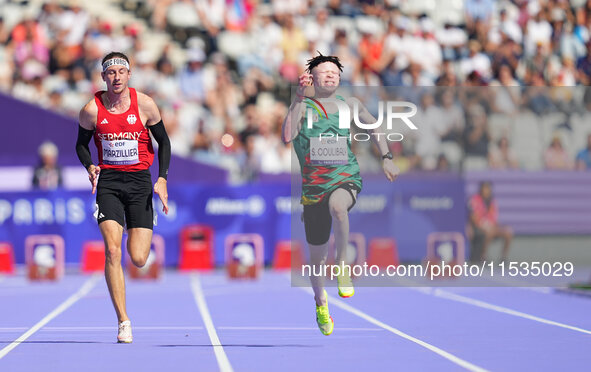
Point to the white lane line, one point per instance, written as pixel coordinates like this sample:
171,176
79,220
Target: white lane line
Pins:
501,309
543,290
182,328
293,329
452,358
220,354
520,284
110,328
13,329
83,291
486,305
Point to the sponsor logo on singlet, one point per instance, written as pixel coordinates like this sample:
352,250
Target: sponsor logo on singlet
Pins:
119,136
105,121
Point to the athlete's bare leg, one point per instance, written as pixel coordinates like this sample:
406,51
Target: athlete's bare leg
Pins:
112,235
318,255
138,245
506,233
493,232
338,204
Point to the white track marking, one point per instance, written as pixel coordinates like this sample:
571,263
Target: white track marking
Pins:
110,328
293,329
501,309
220,354
520,284
183,328
452,358
83,291
103,328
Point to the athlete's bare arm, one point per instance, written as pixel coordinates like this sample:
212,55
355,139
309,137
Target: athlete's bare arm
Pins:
88,115
148,109
87,121
293,120
390,170
150,115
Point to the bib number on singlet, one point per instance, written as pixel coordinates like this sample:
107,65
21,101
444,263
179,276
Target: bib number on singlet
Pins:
329,151
121,152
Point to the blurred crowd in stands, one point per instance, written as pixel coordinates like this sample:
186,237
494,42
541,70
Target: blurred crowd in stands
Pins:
499,83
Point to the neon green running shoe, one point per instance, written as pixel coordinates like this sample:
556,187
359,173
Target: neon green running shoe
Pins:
346,289
323,318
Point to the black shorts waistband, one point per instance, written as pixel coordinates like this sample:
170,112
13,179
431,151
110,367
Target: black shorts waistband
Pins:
115,171
123,176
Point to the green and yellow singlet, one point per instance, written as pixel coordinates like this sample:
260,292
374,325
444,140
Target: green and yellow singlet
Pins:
325,162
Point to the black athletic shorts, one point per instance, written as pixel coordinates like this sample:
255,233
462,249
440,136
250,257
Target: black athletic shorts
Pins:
125,197
317,218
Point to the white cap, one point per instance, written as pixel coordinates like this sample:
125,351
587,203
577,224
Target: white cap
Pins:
402,23
195,55
195,42
557,14
48,148
143,57
533,8
368,25
427,25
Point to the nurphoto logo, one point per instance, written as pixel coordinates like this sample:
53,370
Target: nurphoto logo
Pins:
387,110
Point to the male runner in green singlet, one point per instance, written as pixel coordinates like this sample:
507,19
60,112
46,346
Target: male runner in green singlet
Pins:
330,173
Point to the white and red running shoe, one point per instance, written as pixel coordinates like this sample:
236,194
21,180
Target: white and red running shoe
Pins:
124,335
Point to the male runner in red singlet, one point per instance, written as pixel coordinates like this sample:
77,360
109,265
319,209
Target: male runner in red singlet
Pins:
119,119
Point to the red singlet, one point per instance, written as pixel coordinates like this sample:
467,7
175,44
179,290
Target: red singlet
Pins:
122,140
